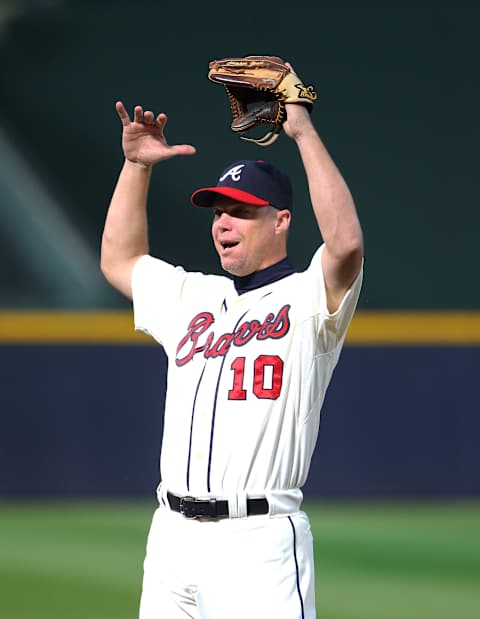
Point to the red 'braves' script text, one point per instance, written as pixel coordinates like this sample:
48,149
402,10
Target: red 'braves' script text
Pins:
273,327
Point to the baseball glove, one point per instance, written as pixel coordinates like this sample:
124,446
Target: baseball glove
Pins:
258,87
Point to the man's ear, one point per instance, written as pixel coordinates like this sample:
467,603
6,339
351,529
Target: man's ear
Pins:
283,220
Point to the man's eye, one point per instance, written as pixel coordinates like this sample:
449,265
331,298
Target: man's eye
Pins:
240,212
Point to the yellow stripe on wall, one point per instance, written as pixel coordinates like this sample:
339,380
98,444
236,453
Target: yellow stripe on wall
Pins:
112,327
116,327
410,328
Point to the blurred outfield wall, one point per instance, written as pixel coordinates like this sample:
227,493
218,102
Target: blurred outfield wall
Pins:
83,416
398,105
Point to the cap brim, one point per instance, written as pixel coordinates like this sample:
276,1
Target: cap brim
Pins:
206,196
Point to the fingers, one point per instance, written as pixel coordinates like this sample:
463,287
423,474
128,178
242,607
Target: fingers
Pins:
148,117
161,120
144,118
183,149
290,67
157,123
122,112
138,114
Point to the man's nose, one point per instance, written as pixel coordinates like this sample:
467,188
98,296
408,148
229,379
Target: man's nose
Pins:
224,220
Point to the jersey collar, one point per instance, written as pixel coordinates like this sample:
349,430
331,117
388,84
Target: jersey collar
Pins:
271,274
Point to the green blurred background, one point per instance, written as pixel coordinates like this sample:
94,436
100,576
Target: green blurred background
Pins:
398,109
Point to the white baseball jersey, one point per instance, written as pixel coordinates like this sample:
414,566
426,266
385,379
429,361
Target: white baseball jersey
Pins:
247,376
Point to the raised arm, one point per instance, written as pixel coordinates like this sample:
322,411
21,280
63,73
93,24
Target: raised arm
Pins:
125,235
332,204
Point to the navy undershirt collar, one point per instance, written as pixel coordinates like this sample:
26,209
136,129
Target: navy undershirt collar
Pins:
271,274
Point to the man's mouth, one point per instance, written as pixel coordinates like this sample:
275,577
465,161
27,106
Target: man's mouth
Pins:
226,246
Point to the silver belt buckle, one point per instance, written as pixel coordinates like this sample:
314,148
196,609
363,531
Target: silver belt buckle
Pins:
186,513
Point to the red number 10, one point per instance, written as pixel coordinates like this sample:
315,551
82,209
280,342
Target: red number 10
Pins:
270,392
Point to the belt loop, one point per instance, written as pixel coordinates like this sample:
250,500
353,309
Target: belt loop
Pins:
237,505
162,495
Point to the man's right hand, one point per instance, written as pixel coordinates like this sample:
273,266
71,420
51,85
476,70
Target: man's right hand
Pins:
143,141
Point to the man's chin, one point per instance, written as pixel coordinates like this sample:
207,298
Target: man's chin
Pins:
230,270
233,268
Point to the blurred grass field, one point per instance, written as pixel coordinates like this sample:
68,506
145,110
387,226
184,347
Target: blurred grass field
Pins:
83,560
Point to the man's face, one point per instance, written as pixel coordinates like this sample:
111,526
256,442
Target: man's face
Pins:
248,238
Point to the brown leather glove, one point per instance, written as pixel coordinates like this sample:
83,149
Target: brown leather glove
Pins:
258,88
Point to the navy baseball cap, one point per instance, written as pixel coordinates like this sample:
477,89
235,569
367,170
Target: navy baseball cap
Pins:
249,182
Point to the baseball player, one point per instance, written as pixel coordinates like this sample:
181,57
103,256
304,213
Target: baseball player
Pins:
250,357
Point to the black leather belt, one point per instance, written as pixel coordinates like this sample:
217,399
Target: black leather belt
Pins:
190,507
